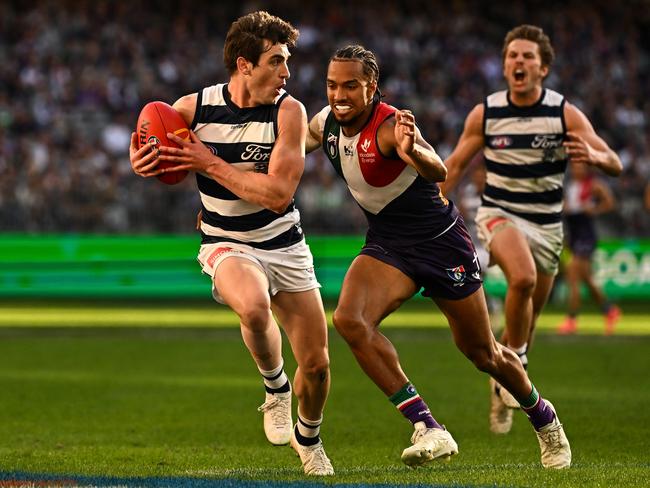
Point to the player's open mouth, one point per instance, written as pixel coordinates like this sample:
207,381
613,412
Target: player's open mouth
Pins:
520,75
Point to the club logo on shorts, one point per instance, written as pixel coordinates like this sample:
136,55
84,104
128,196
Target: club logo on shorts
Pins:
457,274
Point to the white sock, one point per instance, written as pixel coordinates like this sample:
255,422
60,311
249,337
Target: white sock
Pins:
308,428
521,352
275,379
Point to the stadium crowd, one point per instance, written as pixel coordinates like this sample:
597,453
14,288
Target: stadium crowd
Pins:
75,74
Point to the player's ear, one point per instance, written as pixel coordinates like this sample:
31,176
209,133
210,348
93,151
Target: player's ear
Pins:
372,89
244,66
544,71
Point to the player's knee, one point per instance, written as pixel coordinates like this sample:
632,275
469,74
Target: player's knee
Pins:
484,358
351,327
255,315
523,283
317,366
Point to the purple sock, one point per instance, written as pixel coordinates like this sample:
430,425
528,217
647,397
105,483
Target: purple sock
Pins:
409,402
540,414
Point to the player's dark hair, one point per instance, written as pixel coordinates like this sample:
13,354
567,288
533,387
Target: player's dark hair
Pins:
534,34
367,59
246,37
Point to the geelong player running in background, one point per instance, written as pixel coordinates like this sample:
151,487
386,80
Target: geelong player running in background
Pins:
527,134
416,239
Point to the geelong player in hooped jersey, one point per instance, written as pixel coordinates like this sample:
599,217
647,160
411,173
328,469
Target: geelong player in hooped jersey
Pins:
247,150
527,133
416,240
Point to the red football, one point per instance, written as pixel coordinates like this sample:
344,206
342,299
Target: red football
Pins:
155,121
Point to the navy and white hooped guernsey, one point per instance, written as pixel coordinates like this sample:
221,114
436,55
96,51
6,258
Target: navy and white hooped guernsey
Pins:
244,137
524,156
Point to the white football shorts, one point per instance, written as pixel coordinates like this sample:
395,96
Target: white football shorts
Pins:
545,241
287,269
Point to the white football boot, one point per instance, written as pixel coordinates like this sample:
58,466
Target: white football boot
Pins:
314,460
556,452
277,417
429,444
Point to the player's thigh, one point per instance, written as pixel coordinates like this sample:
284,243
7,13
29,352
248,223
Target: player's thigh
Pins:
242,284
469,320
510,250
373,289
302,317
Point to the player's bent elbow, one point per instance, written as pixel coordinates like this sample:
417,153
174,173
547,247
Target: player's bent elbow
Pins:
279,205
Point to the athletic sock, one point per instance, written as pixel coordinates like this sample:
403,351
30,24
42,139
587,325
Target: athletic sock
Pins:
537,409
521,352
408,401
276,380
307,432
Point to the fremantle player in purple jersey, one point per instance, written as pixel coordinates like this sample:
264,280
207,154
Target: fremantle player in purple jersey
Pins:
586,197
416,239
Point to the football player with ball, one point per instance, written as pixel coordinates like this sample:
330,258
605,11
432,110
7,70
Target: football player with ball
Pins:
246,147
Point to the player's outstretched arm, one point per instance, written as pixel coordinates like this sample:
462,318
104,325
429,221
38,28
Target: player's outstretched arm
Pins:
470,142
585,146
400,134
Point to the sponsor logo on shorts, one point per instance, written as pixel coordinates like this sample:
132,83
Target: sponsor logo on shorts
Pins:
457,274
220,251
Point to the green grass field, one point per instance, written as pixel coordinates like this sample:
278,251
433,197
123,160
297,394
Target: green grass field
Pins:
151,391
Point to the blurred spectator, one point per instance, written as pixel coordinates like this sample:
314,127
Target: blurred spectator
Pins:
75,75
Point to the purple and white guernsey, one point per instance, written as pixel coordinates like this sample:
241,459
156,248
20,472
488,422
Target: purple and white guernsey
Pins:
400,205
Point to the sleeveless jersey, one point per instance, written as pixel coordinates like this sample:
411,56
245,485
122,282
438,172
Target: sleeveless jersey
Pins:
242,137
524,156
400,206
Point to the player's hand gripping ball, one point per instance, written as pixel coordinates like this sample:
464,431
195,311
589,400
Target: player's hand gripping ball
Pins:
155,121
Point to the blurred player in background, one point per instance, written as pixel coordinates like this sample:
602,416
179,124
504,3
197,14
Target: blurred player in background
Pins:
247,151
416,238
527,133
585,198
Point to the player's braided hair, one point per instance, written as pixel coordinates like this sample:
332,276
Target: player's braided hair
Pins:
246,37
534,34
367,59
